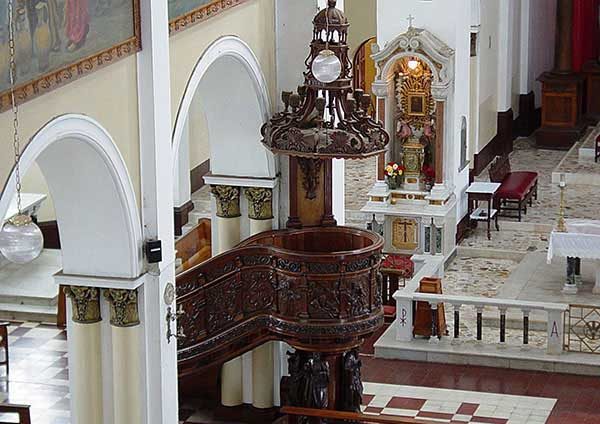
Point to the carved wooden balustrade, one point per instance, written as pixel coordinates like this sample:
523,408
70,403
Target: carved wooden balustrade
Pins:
315,288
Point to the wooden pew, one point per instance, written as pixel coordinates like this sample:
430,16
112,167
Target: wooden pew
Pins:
195,247
316,416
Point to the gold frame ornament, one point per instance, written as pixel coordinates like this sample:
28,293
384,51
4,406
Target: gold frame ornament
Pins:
201,14
47,82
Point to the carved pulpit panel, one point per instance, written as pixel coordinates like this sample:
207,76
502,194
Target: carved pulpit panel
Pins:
405,233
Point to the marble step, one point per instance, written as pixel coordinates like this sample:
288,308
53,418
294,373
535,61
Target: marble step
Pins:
34,313
32,300
201,204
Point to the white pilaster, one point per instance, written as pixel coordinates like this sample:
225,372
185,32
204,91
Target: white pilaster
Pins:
160,397
182,190
505,55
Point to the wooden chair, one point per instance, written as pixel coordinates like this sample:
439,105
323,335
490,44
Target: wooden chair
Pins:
21,410
4,343
597,155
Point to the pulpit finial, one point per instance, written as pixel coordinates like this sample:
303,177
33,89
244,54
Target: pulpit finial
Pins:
410,20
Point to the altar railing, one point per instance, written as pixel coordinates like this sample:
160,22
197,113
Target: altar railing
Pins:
308,287
582,332
555,312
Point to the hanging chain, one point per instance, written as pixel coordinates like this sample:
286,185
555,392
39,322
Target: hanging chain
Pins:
15,108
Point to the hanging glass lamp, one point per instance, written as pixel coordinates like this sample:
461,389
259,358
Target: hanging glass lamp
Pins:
21,240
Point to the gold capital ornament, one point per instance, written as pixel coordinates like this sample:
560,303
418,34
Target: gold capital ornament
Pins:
86,304
228,201
123,307
260,203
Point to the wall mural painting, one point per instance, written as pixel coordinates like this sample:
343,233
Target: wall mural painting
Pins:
184,13
58,41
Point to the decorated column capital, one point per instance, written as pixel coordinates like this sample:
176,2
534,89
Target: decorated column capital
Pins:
228,200
86,304
260,203
123,307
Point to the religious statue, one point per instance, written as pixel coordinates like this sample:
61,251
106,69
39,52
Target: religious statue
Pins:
308,381
352,382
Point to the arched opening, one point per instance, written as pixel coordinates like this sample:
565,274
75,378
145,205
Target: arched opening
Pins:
100,231
219,118
82,166
364,69
227,90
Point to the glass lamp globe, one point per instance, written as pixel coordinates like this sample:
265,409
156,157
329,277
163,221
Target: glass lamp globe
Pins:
21,240
326,67
413,64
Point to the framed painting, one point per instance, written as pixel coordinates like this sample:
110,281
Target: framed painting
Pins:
185,13
58,41
416,104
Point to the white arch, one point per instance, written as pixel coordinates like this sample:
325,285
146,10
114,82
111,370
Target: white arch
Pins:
95,202
225,47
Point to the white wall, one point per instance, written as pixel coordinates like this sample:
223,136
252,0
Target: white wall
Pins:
538,21
488,75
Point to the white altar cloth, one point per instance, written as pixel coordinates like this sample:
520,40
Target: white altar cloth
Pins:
582,240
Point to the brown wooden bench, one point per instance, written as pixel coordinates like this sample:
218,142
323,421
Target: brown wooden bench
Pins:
22,411
517,189
292,415
195,247
4,344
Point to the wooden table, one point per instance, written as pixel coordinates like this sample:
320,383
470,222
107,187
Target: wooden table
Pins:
483,192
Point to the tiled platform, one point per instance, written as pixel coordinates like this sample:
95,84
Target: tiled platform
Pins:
578,398
455,406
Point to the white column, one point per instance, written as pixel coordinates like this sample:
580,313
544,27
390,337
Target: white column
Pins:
259,364
126,337
262,376
85,355
228,236
158,387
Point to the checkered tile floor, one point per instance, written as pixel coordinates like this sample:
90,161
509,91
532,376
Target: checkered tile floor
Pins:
454,406
39,373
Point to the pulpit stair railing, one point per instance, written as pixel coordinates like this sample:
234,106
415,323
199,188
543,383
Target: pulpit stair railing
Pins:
309,287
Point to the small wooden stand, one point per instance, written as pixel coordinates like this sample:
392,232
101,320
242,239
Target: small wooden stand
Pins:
423,314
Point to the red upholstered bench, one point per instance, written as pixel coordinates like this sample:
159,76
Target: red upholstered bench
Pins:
517,188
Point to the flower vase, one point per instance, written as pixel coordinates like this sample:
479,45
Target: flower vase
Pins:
393,182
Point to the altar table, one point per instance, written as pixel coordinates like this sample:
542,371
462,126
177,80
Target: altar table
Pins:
581,241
